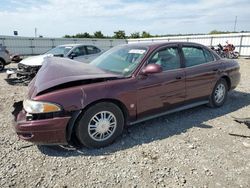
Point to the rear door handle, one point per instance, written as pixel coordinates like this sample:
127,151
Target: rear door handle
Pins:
178,77
215,70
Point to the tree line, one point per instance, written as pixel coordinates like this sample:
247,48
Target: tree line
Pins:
120,34
117,35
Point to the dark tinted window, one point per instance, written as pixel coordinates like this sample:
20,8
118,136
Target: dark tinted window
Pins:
208,55
168,58
79,51
92,50
193,56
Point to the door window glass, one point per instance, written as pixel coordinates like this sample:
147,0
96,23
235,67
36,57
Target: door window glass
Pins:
92,50
193,56
167,58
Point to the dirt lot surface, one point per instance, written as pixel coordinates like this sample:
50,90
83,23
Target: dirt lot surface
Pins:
192,148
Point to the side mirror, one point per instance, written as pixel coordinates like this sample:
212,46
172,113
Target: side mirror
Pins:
151,69
72,55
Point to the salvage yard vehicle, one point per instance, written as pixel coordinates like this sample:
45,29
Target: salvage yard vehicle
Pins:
92,103
28,67
4,57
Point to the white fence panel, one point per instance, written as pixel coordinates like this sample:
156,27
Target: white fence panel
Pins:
32,46
42,43
240,40
204,41
177,39
245,51
245,40
62,41
40,50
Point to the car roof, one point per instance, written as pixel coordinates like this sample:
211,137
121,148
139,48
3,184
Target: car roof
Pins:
155,45
73,45
159,44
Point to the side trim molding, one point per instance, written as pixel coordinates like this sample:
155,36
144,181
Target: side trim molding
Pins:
170,111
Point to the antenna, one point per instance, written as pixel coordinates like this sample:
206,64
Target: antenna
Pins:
35,32
235,22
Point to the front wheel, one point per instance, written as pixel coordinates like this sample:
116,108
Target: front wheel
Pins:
219,94
100,125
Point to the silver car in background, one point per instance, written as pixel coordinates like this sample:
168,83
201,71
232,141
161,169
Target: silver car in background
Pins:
28,67
4,57
79,52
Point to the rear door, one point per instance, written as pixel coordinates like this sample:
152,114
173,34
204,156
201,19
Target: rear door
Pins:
202,71
163,91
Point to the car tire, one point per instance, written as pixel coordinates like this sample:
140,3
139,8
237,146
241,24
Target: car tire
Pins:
100,125
2,64
219,94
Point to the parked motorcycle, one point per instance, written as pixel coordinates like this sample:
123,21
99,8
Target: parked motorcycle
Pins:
227,51
219,50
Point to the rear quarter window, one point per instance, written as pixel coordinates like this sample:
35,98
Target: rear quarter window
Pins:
209,57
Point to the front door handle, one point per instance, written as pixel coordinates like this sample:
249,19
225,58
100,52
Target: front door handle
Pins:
178,77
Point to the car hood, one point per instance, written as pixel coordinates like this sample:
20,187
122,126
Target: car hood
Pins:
56,71
35,60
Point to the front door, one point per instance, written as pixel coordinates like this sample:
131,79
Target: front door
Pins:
163,91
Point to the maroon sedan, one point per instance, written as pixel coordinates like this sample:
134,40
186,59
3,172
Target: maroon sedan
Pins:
91,103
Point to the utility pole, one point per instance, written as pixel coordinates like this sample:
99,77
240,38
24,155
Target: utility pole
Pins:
235,22
35,32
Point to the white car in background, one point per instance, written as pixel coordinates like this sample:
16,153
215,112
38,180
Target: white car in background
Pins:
28,67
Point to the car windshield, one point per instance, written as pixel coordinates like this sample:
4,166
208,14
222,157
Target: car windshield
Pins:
121,60
59,50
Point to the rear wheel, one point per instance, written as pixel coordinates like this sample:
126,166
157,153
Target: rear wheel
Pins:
219,94
2,64
100,125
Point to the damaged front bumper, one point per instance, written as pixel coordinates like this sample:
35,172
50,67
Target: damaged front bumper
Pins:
46,130
22,73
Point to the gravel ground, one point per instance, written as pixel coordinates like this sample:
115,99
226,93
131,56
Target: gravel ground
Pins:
192,148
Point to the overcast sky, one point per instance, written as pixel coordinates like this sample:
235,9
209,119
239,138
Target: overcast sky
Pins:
55,18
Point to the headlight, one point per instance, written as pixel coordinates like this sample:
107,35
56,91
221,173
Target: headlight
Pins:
37,107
